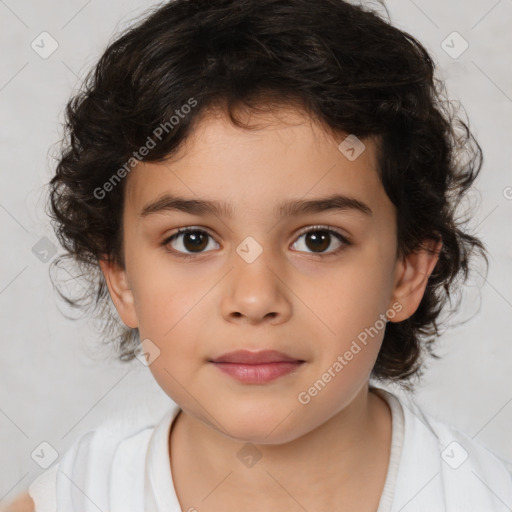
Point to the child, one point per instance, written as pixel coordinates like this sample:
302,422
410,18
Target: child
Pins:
261,129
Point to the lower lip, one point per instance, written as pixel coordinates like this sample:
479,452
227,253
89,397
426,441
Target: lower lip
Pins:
258,373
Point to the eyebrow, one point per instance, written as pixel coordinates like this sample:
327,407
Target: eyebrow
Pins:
337,202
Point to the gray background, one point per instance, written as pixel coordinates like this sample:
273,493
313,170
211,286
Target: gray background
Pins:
55,384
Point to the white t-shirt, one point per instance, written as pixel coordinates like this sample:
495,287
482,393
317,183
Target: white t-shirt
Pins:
123,466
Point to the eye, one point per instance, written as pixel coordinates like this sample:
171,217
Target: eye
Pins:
195,240
190,239
319,238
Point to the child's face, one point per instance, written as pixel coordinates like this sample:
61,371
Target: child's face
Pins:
288,298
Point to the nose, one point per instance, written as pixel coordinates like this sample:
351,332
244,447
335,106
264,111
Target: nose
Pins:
256,292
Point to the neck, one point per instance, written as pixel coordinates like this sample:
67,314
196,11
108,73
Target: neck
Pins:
345,458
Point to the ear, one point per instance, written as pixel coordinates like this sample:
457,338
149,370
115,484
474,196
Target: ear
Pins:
120,291
411,278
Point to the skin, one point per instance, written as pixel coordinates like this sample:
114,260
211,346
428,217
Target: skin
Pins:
22,503
333,452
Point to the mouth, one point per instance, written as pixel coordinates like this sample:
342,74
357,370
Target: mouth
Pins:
260,357
257,367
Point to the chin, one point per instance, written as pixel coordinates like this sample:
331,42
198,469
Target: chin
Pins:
257,428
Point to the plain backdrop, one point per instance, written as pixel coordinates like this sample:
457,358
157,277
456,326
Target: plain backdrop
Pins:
54,387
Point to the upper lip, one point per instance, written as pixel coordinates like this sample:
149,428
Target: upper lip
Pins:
260,357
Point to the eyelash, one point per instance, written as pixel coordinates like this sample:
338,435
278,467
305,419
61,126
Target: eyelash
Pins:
190,229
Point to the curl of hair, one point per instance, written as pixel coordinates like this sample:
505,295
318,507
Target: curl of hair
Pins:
342,64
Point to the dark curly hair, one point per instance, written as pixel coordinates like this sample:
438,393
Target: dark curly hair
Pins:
342,64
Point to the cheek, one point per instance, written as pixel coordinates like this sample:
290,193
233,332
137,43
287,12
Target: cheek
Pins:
176,338
349,299
349,310
162,293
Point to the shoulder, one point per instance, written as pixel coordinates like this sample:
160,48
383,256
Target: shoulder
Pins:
457,444
439,467
97,459
455,465
457,447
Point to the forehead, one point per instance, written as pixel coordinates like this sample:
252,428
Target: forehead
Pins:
285,155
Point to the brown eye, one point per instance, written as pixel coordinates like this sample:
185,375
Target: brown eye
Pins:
319,239
189,241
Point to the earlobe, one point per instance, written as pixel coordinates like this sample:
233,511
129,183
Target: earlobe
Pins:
411,278
120,291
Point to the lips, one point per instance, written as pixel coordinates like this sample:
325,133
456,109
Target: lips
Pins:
261,357
257,367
